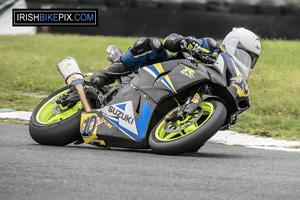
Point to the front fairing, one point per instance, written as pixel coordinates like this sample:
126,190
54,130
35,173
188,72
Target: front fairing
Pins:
241,60
239,66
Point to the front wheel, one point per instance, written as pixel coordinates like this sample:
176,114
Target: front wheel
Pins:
54,124
189,133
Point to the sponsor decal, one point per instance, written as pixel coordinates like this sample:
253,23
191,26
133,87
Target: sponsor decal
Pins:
241,86
106,122
238,82
119,113
196,98
188,72
142,54
122,116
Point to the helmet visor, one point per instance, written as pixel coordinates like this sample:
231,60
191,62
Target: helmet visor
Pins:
254,58
254,62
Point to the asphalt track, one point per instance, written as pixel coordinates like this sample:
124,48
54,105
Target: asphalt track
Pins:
32,171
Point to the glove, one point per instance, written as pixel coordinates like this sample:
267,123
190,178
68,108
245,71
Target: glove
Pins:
192,44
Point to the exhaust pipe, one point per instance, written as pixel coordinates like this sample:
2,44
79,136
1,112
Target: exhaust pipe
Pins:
70,71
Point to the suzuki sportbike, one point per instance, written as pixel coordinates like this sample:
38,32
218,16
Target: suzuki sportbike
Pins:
170,107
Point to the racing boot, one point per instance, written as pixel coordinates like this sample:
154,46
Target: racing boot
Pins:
109,75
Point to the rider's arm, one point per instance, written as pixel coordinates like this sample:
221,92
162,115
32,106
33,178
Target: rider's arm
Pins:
206,45
209,44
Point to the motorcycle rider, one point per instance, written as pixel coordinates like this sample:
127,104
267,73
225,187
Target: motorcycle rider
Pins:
146,51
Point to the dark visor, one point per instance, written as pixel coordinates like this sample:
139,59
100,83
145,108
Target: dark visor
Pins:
254,56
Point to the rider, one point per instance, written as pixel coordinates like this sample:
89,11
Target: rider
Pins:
148,51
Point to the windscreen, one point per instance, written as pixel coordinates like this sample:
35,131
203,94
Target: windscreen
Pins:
241,59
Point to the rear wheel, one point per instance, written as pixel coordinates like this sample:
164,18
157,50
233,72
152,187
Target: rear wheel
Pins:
189,133
54,124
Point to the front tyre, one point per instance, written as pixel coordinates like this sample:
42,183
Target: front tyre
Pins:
54,124
193,136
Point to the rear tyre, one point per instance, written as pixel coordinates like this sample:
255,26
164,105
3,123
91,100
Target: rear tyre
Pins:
193,136
52,124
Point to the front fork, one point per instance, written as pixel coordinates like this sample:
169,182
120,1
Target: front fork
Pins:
191,104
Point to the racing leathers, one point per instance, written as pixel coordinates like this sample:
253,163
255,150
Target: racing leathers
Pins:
146,51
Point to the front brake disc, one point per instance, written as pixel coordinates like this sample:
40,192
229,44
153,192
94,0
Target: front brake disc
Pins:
175,123
58,109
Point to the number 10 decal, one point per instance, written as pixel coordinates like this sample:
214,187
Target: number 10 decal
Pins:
88,126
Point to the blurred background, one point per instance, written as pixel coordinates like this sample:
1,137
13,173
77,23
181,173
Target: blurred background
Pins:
215,18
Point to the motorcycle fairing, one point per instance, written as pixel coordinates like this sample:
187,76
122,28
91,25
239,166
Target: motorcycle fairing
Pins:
122,116
236,84
88,128
129,113
181,74
125,119
239,82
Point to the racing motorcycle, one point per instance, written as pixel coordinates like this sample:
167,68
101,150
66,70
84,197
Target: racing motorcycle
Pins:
171,107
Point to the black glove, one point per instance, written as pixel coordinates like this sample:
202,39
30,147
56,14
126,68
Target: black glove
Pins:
191,43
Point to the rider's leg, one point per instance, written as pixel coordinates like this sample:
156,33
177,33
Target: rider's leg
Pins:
109,75
144,51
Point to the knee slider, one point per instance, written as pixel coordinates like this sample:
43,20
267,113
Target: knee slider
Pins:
140,46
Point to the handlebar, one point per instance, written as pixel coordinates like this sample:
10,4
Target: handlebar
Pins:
202,56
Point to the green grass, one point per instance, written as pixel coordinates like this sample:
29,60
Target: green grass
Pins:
28,64
28,73
275,92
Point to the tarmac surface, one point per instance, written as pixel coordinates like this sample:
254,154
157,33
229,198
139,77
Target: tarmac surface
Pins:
32,171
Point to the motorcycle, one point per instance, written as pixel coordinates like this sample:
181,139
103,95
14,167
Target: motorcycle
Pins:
171,107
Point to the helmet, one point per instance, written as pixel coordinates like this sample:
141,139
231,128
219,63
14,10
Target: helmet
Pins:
246,40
